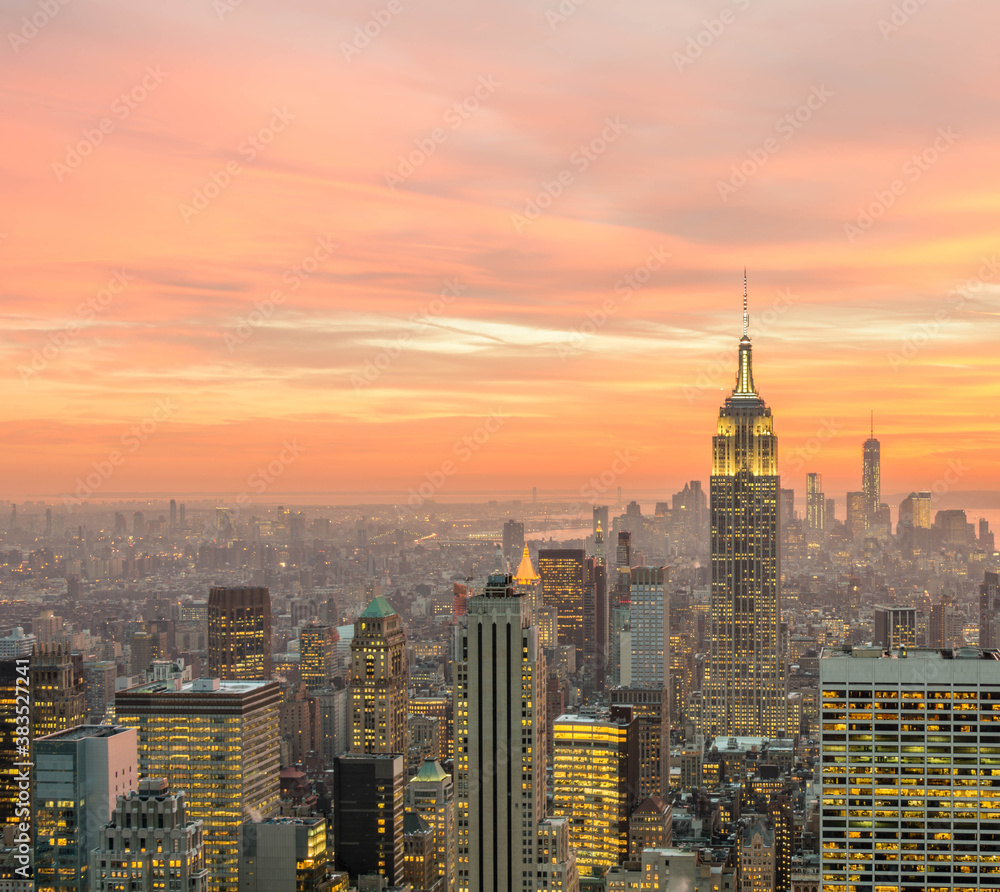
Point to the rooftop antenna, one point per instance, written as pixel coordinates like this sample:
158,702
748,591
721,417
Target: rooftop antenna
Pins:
873,424
746,318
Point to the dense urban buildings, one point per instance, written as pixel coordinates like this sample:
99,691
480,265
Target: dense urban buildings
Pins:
745,684
218,742
563,573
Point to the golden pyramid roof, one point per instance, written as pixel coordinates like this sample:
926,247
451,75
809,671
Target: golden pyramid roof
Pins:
526,574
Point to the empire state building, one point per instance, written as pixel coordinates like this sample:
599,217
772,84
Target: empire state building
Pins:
745,687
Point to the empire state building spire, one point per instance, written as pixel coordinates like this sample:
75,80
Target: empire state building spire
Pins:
744,376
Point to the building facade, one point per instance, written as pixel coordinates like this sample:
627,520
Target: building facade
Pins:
378,681
239,633
219,742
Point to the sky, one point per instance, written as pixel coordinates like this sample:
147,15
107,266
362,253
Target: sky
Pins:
433,248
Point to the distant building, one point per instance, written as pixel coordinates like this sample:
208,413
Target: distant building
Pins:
564,586
757,858
513,540
815,503
17,644
857,517
431,795
239,633
895,626
317,655
989,611
871,482
59,699
650,826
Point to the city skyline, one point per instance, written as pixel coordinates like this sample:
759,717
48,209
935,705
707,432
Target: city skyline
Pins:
414,309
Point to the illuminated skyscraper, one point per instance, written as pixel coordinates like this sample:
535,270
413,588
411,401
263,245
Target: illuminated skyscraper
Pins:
8,750
317,652
378,681
58,692
527,580
499,741
913,805
895,626
857,516
989,611
870,477
239,633
564,586
815,503
745,687
218,741
595,787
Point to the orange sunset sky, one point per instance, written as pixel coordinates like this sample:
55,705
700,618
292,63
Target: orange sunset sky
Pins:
231,222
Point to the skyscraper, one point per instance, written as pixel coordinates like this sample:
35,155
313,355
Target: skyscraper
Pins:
513,539
913,805
650,627
596,783
239,633
378,681
895,626
564,586
815,503
218,741
745,686
317,652
870,477
79,774
59,699
499,741
368,806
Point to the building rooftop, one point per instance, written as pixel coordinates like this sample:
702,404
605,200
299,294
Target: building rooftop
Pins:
82,732
379,607
431,770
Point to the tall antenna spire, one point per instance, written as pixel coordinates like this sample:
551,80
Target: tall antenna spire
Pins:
746,318
873,424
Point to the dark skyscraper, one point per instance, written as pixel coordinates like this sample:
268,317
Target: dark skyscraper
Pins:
989,611
871,484
745,685
513,540
239,633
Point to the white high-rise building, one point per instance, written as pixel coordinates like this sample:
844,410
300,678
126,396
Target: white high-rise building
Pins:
499,742
650,626
910,761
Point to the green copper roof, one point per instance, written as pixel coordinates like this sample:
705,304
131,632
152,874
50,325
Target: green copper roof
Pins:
431,771
378,607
